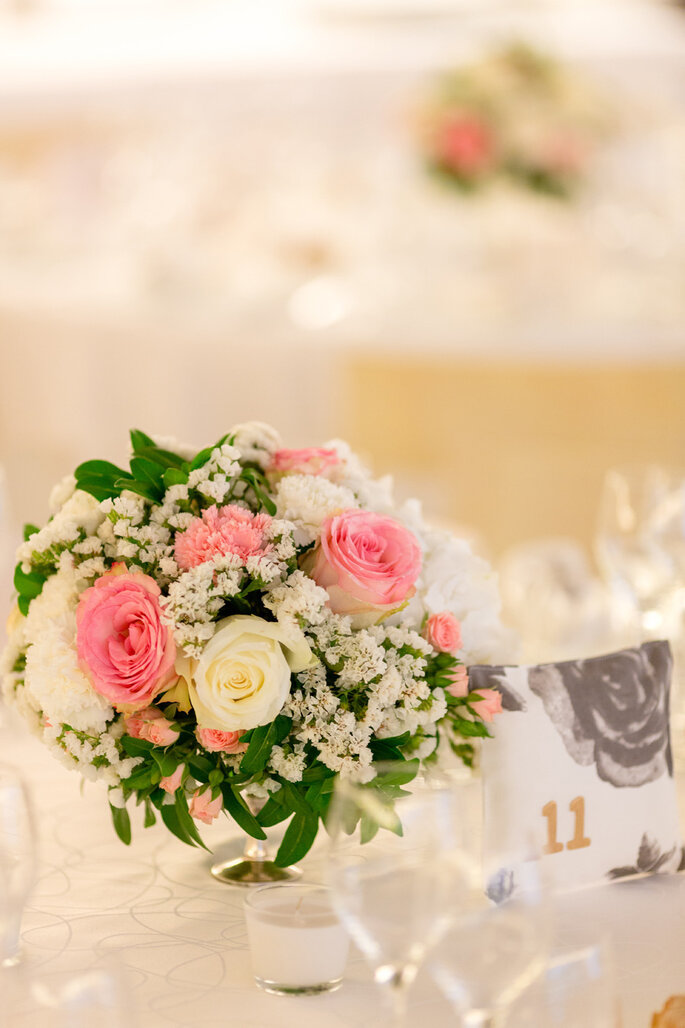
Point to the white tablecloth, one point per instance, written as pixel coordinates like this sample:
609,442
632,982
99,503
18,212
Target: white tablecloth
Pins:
180,936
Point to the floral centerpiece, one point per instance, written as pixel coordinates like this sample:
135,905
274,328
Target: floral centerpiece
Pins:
246,621
517,115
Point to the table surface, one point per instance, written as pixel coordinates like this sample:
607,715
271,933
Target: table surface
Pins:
180,935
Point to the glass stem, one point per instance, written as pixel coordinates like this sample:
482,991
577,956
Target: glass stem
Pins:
397,982
255,850
481,1019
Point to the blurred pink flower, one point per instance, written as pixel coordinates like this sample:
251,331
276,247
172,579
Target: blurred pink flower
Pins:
221,742
313,460
171,783
459,686
221,531
443,632
151,724
203,807
465,145
489,705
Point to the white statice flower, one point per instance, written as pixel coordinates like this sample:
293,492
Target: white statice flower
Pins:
290,766
61,492
215,479
307,500
299,599
197,596
363,659
95,757
80,515
257,442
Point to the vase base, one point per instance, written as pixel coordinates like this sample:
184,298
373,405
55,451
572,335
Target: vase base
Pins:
253,872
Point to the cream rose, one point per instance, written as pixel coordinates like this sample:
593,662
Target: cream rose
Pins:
242,678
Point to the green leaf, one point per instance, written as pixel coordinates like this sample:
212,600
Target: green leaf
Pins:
145,470
262,742
175,476
316,773
235,805
469,729
135,747
30,585
30,530
171,820
143,489
150,818
402,773
165,458
122,823
102,469
298,839
273,812
186,820
139,441
166,761
368,829
24,602
396,741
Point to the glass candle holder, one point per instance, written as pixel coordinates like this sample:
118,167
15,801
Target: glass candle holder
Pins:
298,946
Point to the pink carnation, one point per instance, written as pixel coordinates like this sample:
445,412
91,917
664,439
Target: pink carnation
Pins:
313,460
459,686
489,704
222,531
203,807
123,645
151,724
221,742
443,632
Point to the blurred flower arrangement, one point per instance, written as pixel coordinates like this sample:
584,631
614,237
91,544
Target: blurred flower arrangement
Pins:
517,115
245,622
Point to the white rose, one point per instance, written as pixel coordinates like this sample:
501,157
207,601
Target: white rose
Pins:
242,678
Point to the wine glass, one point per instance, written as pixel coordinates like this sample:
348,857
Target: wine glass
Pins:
577,989
500,934
391,870
641,542
17,860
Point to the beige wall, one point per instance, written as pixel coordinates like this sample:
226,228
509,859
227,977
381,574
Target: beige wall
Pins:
515,451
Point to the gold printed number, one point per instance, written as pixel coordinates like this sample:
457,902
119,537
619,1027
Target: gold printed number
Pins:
550,812
579,840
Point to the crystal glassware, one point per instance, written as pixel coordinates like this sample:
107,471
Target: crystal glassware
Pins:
392,872
17,860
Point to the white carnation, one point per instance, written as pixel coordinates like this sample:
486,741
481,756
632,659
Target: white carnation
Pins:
80,514
308,500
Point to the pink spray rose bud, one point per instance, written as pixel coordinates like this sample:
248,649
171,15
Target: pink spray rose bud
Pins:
220,532
313,460
459,686
489,704
203,807
172,782
151,724
123,645
443,632
220,742
466,145
368,563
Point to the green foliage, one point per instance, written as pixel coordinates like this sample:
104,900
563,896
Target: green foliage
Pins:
235,806
262,741
122,823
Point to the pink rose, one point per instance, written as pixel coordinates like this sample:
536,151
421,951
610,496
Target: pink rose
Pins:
459,686
123,645
151,724
465,145
220,742
222,531
489,704
313,460
172,782
443,632
367,562
203,807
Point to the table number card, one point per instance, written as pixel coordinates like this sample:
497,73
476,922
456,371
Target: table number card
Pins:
581,758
